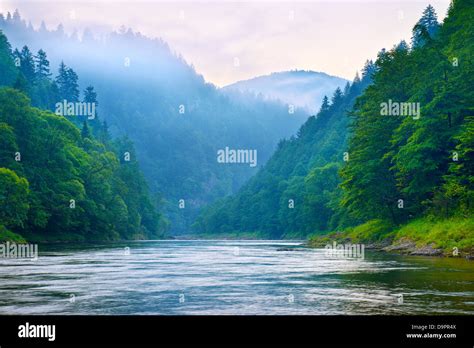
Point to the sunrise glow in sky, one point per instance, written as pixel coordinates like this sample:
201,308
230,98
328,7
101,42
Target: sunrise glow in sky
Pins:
335,37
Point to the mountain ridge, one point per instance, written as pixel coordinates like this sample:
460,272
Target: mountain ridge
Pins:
302,88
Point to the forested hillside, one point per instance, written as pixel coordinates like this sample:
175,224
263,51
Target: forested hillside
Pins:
293,193
399,167
302,88
176,119
412,173
419,162
391,154
63,177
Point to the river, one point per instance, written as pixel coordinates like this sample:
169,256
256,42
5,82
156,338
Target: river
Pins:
176,277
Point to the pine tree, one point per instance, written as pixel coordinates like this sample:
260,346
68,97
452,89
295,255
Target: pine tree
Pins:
104,135
73,85
325,104
337,97
402,46
43,28
67,83
8,71
368,69
42,65
61,80
17,56
426,28
16,16
60,30
85,132
21,83
27,66
90,96
347,88
356,79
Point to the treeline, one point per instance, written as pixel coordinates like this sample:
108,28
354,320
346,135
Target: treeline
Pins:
30,74
59,181
407,166
353,163
176,120
294,193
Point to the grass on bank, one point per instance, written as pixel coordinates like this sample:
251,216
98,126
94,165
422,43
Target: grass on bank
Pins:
444,234
440,234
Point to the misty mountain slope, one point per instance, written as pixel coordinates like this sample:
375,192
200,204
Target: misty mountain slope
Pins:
59,182
370,176
304,89
177,121
291,195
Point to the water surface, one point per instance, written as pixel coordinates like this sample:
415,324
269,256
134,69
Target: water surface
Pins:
230,277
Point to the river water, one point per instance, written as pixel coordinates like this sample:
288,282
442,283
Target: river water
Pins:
230,277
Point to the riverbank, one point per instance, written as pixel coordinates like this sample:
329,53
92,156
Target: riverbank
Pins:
424,237
9,236
226,236
65,238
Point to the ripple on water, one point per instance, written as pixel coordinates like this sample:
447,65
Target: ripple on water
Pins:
230,277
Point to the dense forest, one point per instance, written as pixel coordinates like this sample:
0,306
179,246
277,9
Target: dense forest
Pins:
64,177
176,119
385,169
299,179
391,151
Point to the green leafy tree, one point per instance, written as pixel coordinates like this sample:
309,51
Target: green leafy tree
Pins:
13,199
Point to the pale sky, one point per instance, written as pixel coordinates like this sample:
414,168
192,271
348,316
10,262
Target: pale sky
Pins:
335,37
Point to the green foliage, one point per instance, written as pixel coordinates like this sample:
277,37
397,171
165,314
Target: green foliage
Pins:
8,71
442,234
27,63
59,183
177,152
369,186
426,28
67,82
399,168
8,146
6,235
42,65
110,199
13,198
425,162
295,193
370,231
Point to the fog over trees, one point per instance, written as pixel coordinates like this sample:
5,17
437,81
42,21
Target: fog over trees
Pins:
176,120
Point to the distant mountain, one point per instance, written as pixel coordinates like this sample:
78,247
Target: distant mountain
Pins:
177,121
292,195
301,88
